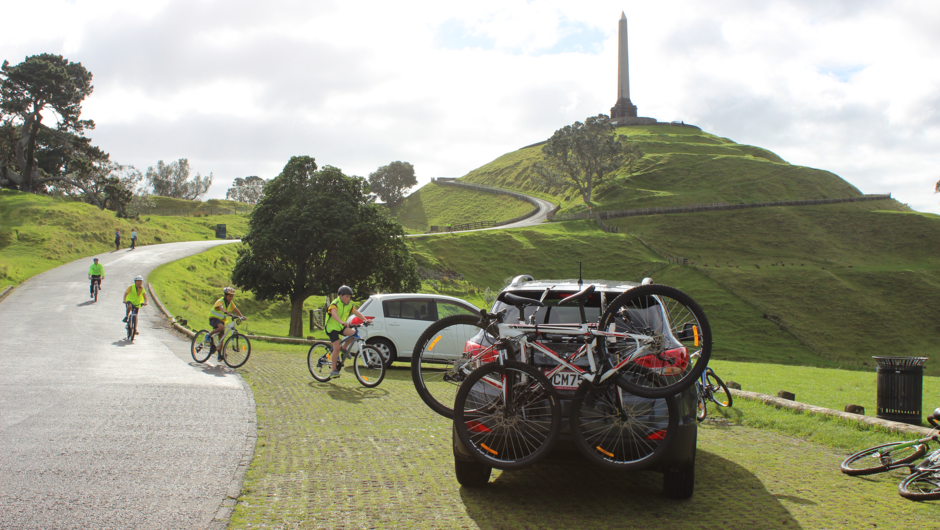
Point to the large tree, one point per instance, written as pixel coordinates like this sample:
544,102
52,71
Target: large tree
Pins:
248,190
172,180
390,182
49,84
584,154
315,230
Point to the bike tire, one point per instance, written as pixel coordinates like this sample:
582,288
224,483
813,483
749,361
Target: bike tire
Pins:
718,391
237,350
369,366
676,326
131,326
618,430
199,348
318,361
438,362
701,407
96,291
884,456
923,485
501,435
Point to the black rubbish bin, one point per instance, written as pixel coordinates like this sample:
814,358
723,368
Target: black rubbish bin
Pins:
220,231
900,388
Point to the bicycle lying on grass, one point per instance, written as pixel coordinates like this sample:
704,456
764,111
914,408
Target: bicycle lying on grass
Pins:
924,481
233,347
711,388
368,364
508,413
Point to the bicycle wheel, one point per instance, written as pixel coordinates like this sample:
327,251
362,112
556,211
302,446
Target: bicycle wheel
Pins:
442,359
507,416
671,339
879,458
701,408
921,486
131,326
369,366
96,291
618,430
718,391
200,348
318,361
237,350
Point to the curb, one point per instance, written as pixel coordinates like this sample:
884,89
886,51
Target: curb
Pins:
777,402
223,515
5,292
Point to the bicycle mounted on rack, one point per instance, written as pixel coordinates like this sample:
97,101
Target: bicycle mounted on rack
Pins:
636,349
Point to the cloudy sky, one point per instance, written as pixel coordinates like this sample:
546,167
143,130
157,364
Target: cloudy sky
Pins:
237,87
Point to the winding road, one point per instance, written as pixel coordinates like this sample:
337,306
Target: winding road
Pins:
96,432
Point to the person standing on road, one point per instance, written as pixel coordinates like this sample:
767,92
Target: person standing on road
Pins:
117,240
336,326
133,238
95,274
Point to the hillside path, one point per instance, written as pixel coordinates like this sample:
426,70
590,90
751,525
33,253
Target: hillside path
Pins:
544,209
99,433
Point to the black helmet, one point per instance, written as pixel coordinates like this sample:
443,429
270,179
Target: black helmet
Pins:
345,289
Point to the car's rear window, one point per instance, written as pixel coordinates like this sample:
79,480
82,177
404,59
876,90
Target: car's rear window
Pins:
553,313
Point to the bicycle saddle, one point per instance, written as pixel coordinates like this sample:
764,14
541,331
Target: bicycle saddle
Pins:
518,301
583,294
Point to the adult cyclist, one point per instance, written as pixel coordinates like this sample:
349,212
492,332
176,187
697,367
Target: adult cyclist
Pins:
218,316
135,296
336,326
95,274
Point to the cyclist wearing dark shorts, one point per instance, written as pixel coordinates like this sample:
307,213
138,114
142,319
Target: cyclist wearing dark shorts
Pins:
336,326
95,274
218,315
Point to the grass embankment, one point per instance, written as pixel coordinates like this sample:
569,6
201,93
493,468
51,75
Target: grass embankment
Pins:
680,166
436,205
188,288
38,233
825,286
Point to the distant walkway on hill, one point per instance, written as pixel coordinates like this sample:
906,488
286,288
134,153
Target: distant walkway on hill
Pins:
540,212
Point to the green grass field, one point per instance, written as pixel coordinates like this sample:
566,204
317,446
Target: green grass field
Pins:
38,233
435,205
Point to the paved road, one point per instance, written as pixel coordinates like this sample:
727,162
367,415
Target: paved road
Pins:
99,433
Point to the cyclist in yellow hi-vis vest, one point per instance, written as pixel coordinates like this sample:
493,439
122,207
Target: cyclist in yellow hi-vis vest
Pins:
135,296
95,274
336,326
218,316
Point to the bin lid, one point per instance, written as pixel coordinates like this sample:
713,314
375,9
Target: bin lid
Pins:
899,362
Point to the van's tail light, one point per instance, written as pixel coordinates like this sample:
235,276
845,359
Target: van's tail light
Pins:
656,436
669,362
472,349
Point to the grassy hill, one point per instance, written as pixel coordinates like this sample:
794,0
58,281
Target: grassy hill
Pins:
681,165
438,205
38,232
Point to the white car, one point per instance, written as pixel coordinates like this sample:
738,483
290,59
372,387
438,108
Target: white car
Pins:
399,319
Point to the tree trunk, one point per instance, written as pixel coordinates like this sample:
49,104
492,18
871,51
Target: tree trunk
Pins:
297,316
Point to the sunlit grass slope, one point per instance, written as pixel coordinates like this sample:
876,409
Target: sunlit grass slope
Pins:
681,166
38,233
438,205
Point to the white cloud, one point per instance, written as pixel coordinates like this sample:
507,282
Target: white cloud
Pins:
239,87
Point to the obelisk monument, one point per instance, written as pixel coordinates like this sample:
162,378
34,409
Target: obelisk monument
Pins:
624,107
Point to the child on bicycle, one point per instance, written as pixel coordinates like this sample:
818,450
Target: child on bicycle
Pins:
218,316
95,274
135,296
336,326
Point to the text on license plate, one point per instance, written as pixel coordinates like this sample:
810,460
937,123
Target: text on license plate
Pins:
565,380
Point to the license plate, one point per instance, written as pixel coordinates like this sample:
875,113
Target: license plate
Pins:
565,380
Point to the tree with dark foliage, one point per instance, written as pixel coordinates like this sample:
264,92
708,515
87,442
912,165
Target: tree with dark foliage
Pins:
584,154
315,230
390,182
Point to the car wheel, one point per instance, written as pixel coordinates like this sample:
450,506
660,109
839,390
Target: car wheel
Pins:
386,347
472,474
